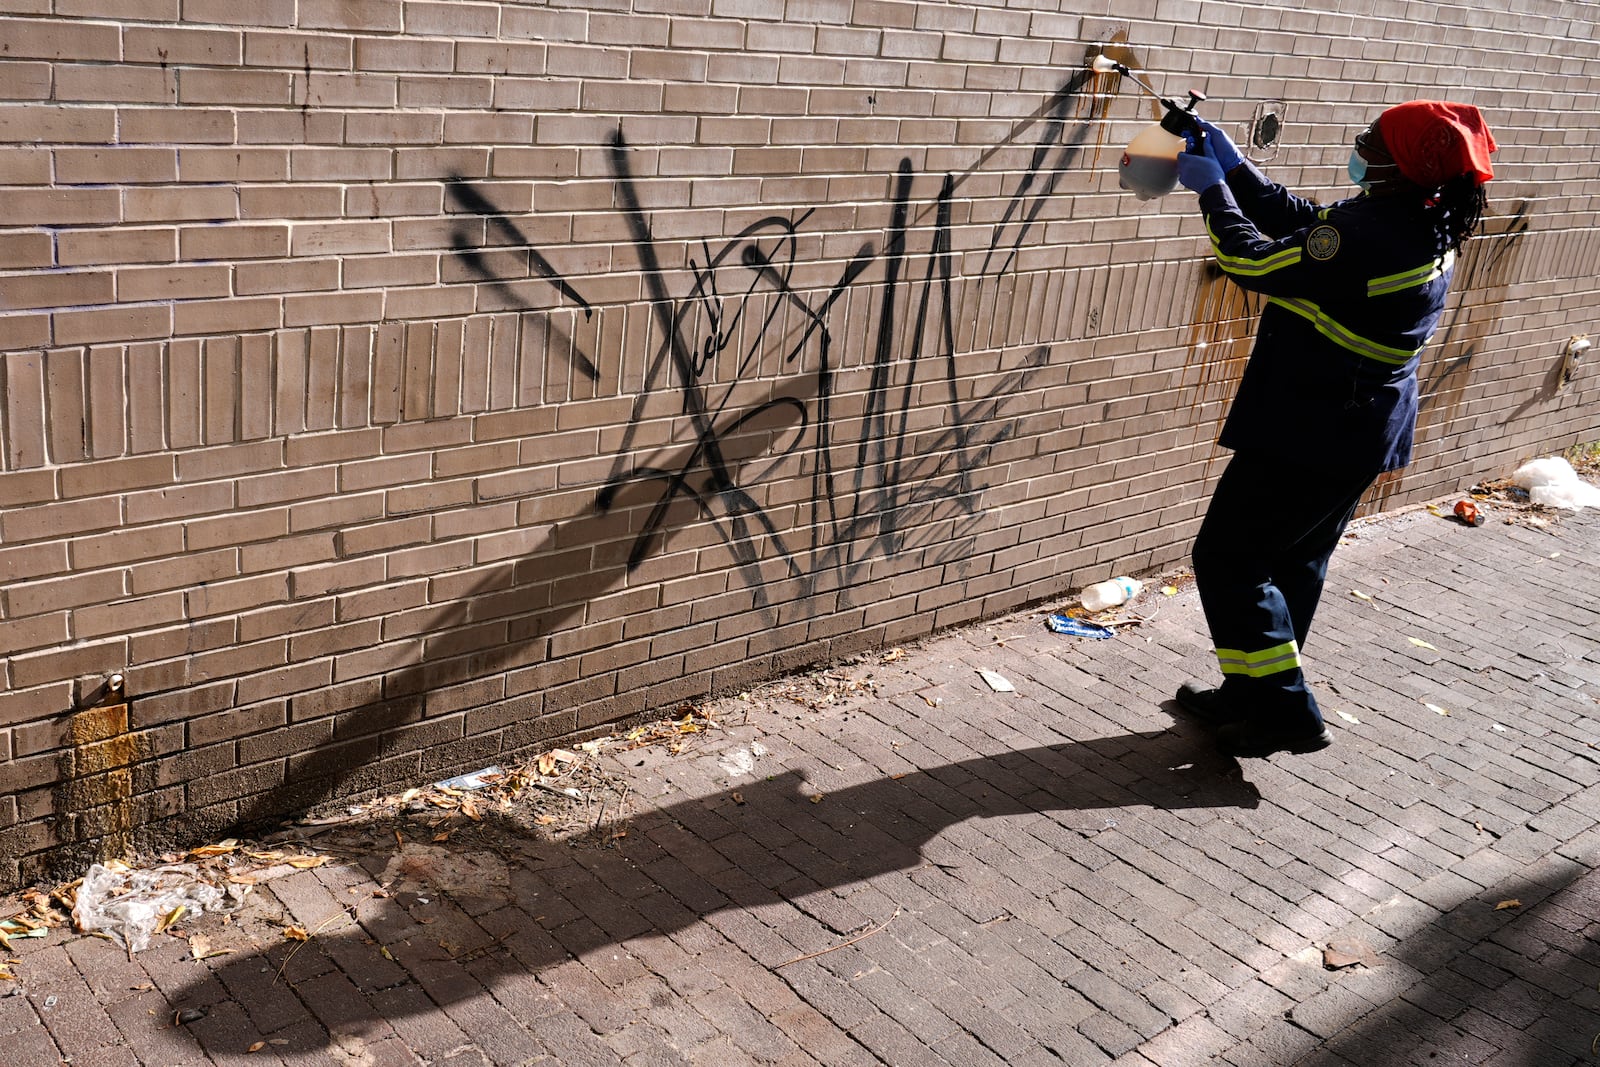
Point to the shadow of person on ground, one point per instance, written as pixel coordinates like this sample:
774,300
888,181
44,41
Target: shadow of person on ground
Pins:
459,919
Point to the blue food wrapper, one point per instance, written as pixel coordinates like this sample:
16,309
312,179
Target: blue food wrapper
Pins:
1066,624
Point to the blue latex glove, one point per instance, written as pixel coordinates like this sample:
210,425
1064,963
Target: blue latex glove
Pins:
1219,146
1198,172
1216,144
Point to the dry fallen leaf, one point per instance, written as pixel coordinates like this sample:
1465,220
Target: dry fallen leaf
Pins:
738,798
200,947
547,764
221,848
170,917
242,879
816,798
1347,717
1435,707
1504,904
305,863
257,1047
1420,643
295,933
1359,595
546,820
1340,954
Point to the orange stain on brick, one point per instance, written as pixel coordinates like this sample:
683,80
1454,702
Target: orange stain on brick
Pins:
1102,88
97,795
1220,332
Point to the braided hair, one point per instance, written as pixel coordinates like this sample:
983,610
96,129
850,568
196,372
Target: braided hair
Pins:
1454,211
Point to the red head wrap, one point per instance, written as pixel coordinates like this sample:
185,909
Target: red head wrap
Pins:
1434,141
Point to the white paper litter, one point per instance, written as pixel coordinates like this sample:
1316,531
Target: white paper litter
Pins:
1551,482
998,682
129,906
476,780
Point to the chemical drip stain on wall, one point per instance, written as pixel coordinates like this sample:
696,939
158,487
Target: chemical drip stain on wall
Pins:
96,795
1219,339
1104,85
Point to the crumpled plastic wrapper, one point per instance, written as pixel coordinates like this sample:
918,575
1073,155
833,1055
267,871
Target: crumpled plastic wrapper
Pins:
132,906
1551,482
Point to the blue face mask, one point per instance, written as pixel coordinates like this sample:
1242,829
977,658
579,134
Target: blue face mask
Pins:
1357,167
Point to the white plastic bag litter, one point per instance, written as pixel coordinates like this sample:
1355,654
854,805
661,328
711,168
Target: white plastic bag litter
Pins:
1551,482
132,906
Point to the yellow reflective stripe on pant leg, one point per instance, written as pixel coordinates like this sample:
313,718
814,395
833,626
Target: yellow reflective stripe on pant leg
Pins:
1274,660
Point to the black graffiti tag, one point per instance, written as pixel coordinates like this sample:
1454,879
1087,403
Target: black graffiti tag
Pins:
748,354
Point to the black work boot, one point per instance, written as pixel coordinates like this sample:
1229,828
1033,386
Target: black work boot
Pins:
1248,738
1207,705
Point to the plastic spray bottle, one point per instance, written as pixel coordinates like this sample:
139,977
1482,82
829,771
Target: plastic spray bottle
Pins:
1149,167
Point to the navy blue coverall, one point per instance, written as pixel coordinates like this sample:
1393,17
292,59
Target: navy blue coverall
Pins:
1327,402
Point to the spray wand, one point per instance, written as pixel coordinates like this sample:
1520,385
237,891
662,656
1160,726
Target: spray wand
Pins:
1149,167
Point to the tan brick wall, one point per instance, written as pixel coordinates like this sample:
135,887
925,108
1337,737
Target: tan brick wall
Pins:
389,387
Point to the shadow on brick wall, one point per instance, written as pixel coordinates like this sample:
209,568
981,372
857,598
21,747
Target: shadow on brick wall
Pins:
513,659
451,709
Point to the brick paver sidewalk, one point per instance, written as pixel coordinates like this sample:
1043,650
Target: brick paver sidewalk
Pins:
931,872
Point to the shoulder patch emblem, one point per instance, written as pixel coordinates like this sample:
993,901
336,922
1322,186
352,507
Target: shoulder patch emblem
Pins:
1322,243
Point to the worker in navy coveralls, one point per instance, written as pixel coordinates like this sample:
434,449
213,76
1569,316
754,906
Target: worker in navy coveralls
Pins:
1328,400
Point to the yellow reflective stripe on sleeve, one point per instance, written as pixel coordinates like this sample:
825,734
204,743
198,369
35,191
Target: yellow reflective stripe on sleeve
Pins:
1252,268
1422,275
1343,336
1274,660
